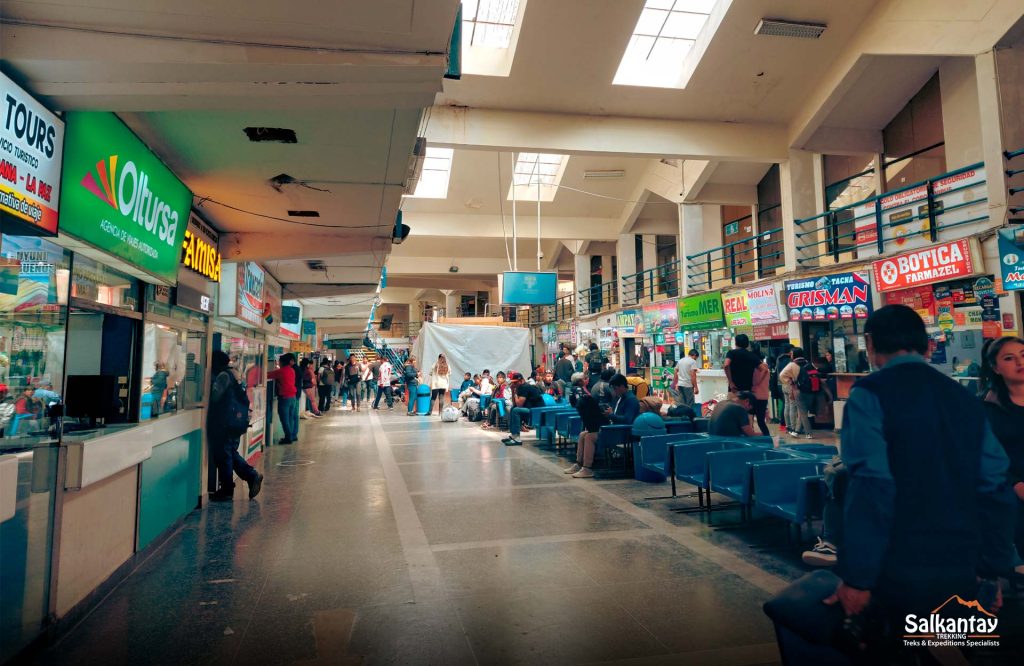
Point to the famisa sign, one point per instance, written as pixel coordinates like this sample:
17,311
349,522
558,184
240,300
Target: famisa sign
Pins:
119,196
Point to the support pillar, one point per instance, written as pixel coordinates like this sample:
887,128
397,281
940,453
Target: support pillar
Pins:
995,118
451,303
581,268
691,241
799,200
625,250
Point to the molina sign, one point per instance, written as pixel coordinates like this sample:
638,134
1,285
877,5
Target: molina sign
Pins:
829,297
937,263
31,145
119,196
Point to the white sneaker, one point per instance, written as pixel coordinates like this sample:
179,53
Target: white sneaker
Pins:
303,415
584,473
572,470
807,436
822,555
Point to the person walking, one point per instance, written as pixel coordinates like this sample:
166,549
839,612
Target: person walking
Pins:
797,418
372,380
565,368
684,379
309,388
762,393
384,375
287,397
224,446
339,382
353,375
928,512
412,382
440,380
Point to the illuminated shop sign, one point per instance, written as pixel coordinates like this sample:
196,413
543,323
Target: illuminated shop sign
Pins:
829,297
199,250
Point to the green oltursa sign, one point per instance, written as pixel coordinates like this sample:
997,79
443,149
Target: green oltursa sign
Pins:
119,196
701,312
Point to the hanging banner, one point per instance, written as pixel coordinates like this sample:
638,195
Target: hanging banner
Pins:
1011,257
658,317
701,312
271,313
830,297
937,263
31,148
756,305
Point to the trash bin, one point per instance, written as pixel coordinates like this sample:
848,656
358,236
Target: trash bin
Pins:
423,399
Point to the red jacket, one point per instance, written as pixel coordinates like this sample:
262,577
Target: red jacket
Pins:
285,378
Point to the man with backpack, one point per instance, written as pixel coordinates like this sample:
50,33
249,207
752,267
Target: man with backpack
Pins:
800,384
412,381
227,421
325,379
595,364
285,379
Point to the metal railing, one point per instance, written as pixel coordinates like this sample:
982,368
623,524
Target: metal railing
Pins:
598,298
562,310
878,220
739,261
647,285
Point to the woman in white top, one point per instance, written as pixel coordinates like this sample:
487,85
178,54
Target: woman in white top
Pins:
440,376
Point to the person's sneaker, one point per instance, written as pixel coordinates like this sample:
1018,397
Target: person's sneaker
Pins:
255,485
584,473
572,470
822,555
303,416
511,441
285,440
222,496
807,436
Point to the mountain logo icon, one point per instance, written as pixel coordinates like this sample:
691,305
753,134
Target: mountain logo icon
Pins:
101,183
961,604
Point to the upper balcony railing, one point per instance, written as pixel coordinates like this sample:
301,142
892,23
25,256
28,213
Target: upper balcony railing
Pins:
648,285
743,260
867,228
562,310
598,298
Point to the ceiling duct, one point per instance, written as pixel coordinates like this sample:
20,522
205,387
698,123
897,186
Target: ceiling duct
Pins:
415,168
783,28
604,174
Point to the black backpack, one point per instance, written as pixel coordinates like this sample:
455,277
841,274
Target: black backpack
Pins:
808,381
233,411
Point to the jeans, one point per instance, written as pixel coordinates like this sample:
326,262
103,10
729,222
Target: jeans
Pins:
515,420
353,393
761,411
229,463
386,391
410,394
684,396
797,418
288,412
836,478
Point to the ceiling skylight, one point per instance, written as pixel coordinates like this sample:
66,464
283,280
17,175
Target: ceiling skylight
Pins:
537,169
664,35
489,22
437,169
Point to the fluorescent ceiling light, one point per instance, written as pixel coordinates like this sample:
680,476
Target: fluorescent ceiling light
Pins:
489,22
537,169
664,35
437,170
604,173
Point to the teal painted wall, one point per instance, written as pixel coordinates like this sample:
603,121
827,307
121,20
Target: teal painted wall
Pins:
169,485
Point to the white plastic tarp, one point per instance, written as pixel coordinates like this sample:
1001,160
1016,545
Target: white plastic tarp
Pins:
472,349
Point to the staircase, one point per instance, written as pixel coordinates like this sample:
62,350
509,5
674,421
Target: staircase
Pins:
377,347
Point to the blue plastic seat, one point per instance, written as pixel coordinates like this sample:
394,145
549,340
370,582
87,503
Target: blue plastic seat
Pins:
562,425
728,470
789,490
690,460
701,424
610,439
814,450
675,427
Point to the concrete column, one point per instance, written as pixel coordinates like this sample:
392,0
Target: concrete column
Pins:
451,303
625,250
691,241
581,267
649,257
799,200
606,278
997,122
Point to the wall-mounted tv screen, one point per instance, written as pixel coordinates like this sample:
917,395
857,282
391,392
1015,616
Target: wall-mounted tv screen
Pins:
528,288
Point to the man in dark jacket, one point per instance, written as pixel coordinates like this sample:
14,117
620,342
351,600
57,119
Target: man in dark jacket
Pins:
927,511
626,407
565,368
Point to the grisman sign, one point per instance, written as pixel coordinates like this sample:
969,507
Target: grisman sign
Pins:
955,623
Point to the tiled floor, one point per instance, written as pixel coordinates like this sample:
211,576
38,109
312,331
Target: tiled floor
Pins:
411,541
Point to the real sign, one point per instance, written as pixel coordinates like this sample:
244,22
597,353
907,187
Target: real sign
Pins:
829,297
31,146
118,196
937,263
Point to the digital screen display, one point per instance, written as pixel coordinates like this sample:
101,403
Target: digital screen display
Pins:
523,288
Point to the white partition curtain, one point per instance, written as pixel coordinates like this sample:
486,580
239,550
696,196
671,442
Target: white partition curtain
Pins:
472,349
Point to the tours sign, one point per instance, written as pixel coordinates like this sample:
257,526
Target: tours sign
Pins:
829,297
119,196
31,146
701,312
938,263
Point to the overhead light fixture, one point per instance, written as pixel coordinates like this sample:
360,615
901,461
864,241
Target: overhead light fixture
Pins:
784,28
401,231
453,269
303,213
605,173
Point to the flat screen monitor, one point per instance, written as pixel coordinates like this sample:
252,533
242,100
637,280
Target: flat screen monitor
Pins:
91,397
526,288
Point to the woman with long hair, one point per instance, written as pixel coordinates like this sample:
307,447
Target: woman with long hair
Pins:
1002,379
353,375
440,380
309,386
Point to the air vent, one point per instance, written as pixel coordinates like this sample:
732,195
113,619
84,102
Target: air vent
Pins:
271,134
303,213
604,174
316,265
783,28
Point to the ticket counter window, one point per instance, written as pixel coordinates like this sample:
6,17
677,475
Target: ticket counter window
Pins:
34,276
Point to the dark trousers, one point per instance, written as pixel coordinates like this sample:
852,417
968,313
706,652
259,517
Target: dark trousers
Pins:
229,463
324,399
760,411
386,391
288,412
515,419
